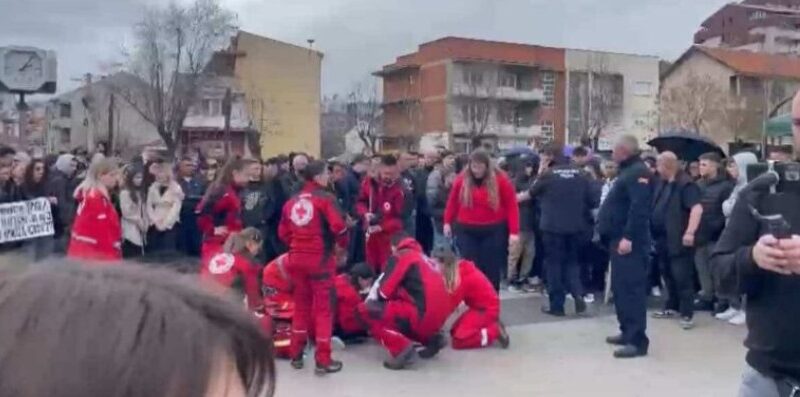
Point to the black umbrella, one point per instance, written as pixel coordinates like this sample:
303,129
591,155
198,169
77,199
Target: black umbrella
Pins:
687,145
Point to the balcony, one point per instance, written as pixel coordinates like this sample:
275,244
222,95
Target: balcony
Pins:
501,130
504,93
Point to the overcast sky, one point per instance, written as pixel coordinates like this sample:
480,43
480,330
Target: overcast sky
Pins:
359,36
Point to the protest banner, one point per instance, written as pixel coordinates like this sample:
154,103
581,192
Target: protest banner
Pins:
23,220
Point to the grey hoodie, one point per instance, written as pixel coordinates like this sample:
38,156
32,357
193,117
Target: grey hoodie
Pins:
742,160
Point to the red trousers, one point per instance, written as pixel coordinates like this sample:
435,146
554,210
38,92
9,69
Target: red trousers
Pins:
281,332
475,329
397,325
378,251
313,289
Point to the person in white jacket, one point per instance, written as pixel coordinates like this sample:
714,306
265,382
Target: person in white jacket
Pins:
134,217
737,169
164,199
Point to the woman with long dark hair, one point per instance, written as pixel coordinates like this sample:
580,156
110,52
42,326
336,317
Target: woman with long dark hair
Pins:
34,186
483,216
219,212
134,216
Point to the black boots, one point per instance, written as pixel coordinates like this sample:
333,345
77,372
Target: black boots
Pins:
333,367
437,343
403,360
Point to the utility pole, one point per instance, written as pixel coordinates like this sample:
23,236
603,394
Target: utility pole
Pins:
22,117
226,111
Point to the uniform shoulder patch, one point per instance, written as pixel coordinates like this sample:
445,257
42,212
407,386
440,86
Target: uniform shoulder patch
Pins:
221,263
644,180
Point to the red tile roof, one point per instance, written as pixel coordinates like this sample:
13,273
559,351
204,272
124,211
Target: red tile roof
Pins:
755,63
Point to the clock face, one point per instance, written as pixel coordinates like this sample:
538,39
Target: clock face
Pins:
23,70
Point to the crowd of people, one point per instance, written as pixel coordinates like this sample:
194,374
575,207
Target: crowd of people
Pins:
402,240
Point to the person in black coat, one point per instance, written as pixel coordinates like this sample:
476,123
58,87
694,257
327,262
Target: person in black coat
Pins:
193,186
566,197
624,226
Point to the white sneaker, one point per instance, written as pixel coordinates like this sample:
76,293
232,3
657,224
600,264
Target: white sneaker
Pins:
589,298
656,292
535,281
739,319
337,343
727,314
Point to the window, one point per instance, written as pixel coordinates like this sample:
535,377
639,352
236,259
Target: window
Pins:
473,77
548,131
643,88
65,136
212,107
549,86
508,80
65,110
758,15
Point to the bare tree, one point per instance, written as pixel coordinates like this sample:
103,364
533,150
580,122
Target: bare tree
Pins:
694,105
172,47
366,115
478,103
598,93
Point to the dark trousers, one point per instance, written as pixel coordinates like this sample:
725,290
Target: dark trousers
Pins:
561,267
356,249
131,250
424,231
593,261
188,236
487,247
678,274
161,241
629,284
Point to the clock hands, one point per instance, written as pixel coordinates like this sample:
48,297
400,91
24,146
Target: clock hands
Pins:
27,64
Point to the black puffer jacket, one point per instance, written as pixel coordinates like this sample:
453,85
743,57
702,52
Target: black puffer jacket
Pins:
713,192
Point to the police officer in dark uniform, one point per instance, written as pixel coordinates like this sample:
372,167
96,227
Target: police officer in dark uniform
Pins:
764,263
566,199
624,224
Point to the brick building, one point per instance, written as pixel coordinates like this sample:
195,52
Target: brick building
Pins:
460,93
756,25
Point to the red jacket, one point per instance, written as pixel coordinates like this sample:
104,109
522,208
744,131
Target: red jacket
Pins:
96,232
347,301
234,271
312,221
481,213
277,284
222,208
385,202
475,290
412,277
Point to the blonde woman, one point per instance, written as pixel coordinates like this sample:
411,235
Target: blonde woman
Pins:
480,325
96,232
483,216
164,200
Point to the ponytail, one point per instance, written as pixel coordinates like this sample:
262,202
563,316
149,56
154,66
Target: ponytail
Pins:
452,279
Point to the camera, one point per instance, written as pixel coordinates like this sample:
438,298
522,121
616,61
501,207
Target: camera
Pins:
788,175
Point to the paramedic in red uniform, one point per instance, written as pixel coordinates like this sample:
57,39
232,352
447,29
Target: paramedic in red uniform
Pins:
219,212
351,289
278,305
234,267
96,232
380,204
311,226
480,325
408,304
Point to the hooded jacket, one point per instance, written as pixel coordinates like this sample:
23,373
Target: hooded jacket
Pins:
743,160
